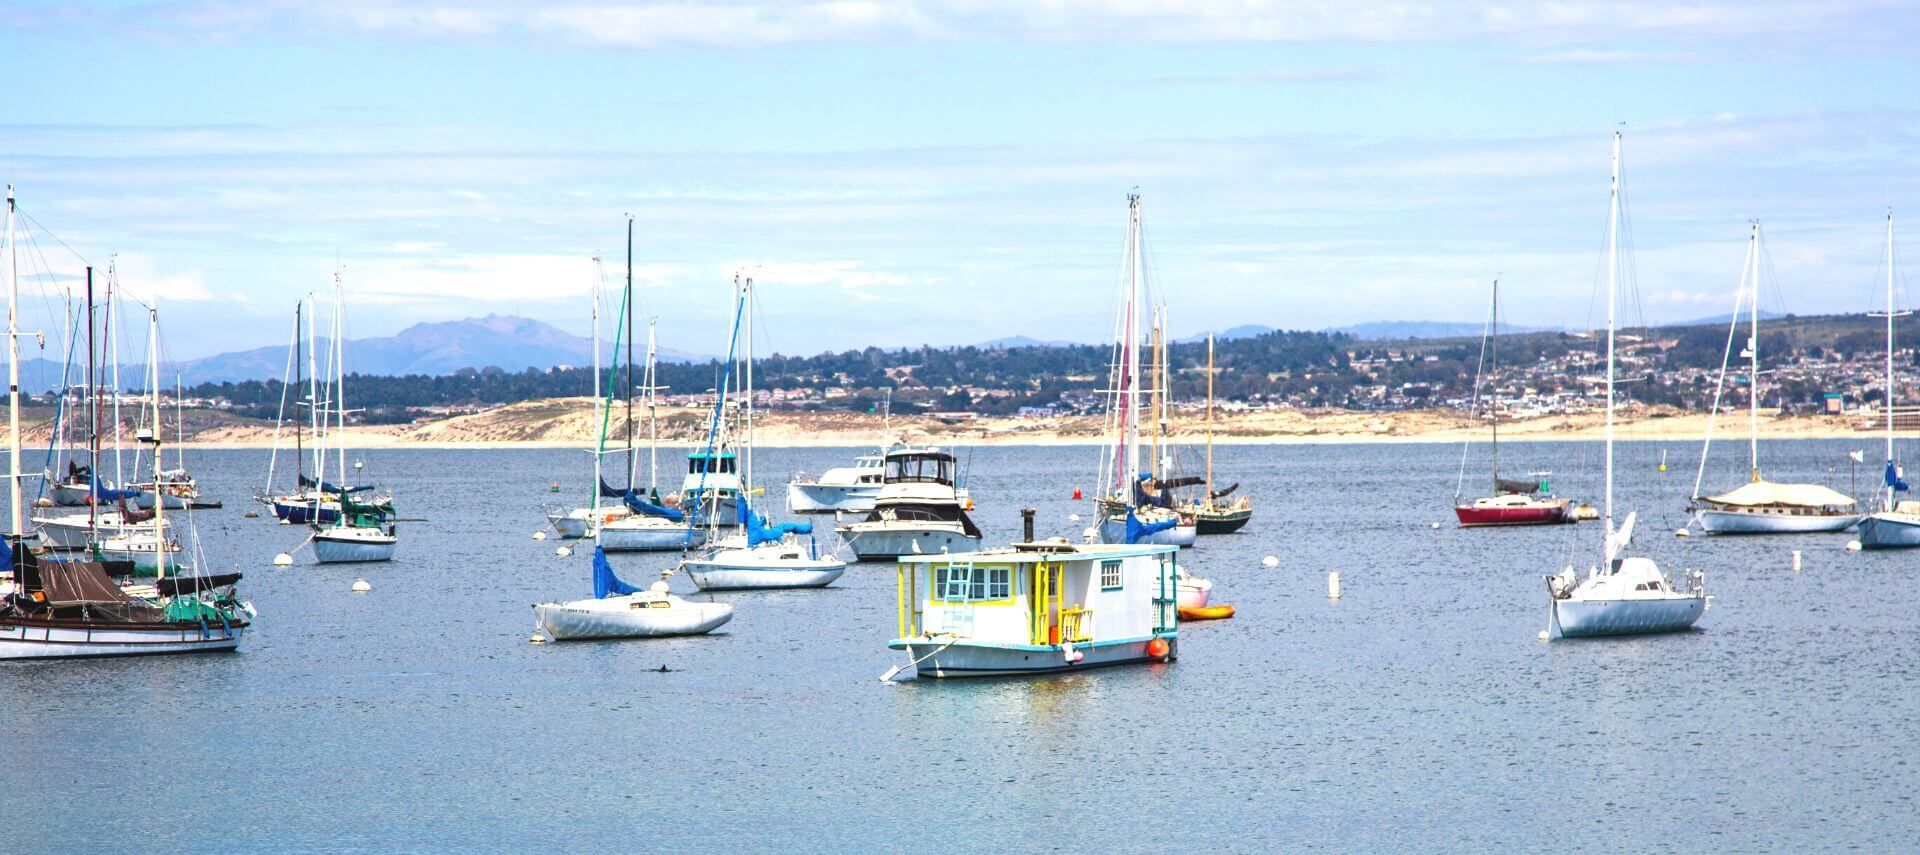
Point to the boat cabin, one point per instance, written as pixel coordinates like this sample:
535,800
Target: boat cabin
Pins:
712,463
1038,607
920,465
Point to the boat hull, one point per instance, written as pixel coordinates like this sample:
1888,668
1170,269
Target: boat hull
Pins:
70,495
1890,531
31,639
303,513
939,660
650,538
1226,522
829,498
569,527
886,544
583,620
144,501
1115,531
1473,517
1748,522
722,576
75,535
353,550
1598,618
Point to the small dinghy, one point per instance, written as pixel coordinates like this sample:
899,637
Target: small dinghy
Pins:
620,610
1206,612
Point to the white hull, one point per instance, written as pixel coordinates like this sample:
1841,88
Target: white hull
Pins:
144,501
1115,531
70,495
70,531
1192,595
628,617
353,548
972,659
827,498
146,562
1890,530
26,641
1748,522
1594,618
570,527
885,541
724,574
659,538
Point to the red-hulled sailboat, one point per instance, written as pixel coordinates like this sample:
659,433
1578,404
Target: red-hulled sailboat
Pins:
1513,502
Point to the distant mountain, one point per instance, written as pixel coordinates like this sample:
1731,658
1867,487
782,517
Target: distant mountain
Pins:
1231,333
511,343
1013,341
1723,320
1388,330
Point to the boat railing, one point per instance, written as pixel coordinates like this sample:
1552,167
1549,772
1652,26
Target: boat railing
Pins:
1076,625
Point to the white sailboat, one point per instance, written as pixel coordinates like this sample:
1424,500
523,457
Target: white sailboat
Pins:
364,531
1761,506
1897,524
1131,509
757,555
619,610
1624,595
578,522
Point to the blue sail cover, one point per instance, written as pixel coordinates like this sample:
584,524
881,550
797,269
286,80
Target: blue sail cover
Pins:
759,532
606,584
1137,529
108,494
331,488
608,491
1893,477
1140,497
642,506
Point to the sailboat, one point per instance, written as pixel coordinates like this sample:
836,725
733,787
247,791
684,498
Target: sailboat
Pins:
759,554
146,550
310,501
1761,506
1514,502
364,531
1897,524
1626,595
1217,514
620,610
1133,508
70,609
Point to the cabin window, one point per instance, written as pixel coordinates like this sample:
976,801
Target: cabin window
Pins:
956,583
1110,578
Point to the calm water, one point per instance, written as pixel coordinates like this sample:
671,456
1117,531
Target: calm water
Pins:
1419,710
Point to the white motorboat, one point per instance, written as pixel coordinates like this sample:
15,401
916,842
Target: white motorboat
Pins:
1622,596
842,488
919,510
619,610
1761,506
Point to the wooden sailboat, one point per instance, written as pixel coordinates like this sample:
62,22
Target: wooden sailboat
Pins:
1624,595
1216,513
1760,506
1514,502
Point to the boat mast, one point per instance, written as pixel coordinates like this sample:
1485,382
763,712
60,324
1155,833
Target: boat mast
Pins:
1130,360
1613,249
1889,395
13,369
93,421
1493,404
653,417
313,406
746,375
629,323
600,449
299,444
153,396
1753,359
1209,417
339,395
1158,401
113,367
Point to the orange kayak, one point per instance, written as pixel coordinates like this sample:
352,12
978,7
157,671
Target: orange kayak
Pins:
1206,612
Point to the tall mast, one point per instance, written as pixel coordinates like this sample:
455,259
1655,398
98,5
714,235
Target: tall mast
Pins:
1493,405
13,369
1613,250
339,395
629,323
653,415
1209,417
597,403
746,471
1753,359
153,396
1158,400
113,367
1889,395
93,419
313,404
299,447
1130,356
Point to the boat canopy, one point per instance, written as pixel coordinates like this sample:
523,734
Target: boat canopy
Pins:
1757,493
1137,529
605,584
709,462
758,532
1509,485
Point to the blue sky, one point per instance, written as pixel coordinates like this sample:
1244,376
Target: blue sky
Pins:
906,172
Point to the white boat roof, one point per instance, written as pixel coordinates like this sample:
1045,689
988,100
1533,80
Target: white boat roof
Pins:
1755,493
1046,550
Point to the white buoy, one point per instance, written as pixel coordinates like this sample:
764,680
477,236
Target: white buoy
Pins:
1333,586
1543,635
286,522
538,638
362,586
283,560
539,535
1796,561
1270,561
252,515
1681,532
564,551
1091,534
1853,546
1436,525
1073,517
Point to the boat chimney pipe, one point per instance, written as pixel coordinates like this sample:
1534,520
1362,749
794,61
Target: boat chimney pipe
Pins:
1026,525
